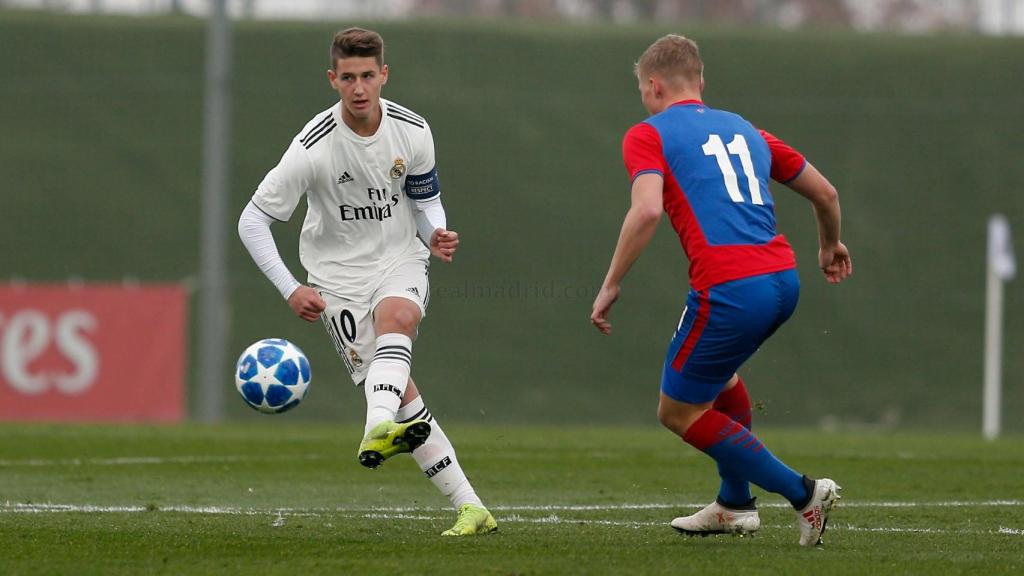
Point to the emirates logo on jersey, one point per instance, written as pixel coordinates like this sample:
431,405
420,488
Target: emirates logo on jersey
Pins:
398,170
374,211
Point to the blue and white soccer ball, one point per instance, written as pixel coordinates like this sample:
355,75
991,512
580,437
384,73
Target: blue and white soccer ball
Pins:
272,375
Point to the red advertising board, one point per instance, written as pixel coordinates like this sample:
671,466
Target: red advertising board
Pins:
92,353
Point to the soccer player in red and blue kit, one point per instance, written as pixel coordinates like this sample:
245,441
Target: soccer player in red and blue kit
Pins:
708,169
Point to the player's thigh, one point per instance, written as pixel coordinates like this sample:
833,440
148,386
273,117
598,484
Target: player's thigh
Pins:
349,324
720,329
409,281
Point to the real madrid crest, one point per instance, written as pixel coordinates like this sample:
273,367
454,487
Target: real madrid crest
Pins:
356,360
398,170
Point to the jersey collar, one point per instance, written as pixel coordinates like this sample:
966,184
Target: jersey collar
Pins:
350,134
688,102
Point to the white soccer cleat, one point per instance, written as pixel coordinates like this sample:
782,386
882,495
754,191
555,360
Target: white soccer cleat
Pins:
717,519
813,518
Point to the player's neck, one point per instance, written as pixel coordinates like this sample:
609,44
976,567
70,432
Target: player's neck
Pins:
680,96
363,126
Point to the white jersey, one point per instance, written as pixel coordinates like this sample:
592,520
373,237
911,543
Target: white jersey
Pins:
361,194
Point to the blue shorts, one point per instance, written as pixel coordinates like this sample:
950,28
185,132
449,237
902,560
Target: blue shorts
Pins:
721,327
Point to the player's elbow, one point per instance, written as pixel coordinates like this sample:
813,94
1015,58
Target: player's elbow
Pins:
830,193
647,214
826,195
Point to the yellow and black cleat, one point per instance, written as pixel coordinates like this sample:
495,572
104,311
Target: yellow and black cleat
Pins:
389,438
472,520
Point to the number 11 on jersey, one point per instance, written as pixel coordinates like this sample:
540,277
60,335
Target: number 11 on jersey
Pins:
738,146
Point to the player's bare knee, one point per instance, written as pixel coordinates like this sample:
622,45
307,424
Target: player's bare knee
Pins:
670,419
664,417
402,320
679,417
401,317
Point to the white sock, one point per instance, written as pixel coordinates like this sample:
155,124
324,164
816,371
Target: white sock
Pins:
436,458
387,378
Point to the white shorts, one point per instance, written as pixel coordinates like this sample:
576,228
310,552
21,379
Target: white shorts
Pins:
349,321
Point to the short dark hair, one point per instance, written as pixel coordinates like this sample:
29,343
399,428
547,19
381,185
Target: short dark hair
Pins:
356,42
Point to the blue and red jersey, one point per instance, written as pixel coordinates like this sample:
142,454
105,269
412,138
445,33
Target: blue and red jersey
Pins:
715,167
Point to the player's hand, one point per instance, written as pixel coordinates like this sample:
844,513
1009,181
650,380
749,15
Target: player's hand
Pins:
443,243
602,307
306,303
835,263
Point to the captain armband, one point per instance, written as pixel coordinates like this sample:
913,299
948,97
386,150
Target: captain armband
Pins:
424,186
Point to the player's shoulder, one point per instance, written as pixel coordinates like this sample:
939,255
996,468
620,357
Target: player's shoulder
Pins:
727,116
739,123
319,126
642,135
405,118
643,130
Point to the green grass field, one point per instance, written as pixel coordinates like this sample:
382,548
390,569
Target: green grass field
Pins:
285,498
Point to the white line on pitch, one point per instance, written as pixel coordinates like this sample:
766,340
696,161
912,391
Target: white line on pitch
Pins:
149,460
845,504
423,514
57,507
49,507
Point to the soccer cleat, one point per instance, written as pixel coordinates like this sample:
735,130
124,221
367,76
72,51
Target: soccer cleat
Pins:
389,438
813,518
717,519
472,520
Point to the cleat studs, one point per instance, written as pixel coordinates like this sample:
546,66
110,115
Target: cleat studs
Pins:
371,459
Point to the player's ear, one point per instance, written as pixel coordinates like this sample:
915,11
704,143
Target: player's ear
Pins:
657,87
332,78
384,74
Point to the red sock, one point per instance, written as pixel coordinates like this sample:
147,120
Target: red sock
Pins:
735,403
712,428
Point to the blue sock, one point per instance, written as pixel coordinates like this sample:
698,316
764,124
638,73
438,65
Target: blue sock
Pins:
734,490
739,451
735,403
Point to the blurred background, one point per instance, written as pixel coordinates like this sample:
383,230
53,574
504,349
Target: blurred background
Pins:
986,16
912,108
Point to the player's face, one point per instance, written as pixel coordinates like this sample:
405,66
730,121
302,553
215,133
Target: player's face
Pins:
358,81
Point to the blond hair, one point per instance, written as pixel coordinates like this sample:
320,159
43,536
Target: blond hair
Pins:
674,58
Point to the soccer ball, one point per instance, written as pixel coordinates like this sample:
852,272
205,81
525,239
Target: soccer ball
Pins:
272,375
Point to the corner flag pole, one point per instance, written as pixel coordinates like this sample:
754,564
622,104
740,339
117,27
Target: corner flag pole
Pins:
1002,267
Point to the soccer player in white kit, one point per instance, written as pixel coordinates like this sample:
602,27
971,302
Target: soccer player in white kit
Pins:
366,167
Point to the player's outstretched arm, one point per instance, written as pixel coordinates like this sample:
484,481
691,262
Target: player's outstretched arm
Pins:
637,230
833,256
